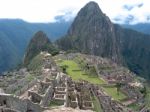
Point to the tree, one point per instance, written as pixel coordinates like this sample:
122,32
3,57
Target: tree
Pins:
64,68
144,91
118,86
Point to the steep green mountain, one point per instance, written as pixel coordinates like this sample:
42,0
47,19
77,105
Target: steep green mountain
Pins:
136,51
17,36
92,32
10,57
20,32
141,27
38,43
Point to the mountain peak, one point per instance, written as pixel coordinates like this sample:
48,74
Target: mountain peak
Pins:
38,43
92,32
92,5
40,35
91,8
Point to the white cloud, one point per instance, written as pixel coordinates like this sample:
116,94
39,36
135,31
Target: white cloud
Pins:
46,10
116,10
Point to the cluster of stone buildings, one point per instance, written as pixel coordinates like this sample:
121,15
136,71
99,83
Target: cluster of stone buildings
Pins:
107,104
112,74
54,89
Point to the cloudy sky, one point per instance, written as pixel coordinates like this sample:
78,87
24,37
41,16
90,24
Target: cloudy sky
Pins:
119,11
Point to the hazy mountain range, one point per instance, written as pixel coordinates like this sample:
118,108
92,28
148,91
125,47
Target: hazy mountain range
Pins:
91,32
141,27
15,35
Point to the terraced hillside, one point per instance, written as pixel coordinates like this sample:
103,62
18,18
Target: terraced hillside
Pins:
73,80
114,80
78,69
76,73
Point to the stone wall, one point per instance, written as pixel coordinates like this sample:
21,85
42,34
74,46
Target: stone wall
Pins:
13,102
48,96
32,107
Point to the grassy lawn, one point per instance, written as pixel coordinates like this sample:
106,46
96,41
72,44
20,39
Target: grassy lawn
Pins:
55,103
76,73
97,106
36,63
29,77
134,106
112,91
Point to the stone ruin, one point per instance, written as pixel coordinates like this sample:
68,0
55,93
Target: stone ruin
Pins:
58,89
107,104
37,99
79,96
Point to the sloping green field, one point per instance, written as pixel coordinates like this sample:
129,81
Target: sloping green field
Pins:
112,91
76,73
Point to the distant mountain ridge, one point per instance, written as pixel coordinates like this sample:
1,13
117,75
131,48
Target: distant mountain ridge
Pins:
8,53
141,27
92,32
16,34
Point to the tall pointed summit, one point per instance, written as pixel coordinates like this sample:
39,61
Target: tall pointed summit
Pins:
38,43
92,32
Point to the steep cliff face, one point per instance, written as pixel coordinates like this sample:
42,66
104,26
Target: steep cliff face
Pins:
135,50
38,43
92,32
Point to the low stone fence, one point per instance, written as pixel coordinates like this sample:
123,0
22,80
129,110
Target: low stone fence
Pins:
26,87
15,104
47,96
20,87
33,107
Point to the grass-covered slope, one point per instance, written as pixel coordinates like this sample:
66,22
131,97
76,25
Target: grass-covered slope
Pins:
76,73
112,91
36,63
78,68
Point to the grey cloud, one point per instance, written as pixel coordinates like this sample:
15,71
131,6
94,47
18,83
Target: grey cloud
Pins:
148,18
59,18
117,19
129,19
140,5
67,16
124,20
130,7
